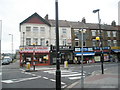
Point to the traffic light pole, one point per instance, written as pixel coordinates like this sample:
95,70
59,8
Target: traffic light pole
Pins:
58,72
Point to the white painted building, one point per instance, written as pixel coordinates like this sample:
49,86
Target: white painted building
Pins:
40,31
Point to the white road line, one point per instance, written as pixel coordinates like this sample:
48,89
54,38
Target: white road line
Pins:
19,80
64,86
45,77
71,75
7,81
53,80
73,78
0,73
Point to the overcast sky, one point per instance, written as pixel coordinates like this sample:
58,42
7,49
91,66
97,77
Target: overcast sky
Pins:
12,12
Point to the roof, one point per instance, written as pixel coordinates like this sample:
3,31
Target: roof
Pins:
62,23
35,18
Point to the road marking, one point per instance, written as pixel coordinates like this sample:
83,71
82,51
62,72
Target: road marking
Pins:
71,75
0,73
64,86
79,77
45,77
19,80
53,80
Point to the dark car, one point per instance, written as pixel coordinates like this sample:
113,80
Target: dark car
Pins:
5,61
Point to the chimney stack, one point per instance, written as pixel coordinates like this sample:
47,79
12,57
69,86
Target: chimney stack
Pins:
113,23
46,17
83,20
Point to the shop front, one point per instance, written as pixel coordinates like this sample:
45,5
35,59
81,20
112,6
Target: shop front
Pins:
88,55
115,54
98,52
36,55
66,53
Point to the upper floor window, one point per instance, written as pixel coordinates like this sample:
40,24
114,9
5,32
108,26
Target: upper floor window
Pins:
42,29
93,32
109,42
28,29
114,34
64,42
64,31
76,43
28,41
108,33
35,40
42,41
94,42
114,42
35,29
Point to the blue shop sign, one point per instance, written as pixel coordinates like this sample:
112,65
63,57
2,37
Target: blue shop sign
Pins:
84,49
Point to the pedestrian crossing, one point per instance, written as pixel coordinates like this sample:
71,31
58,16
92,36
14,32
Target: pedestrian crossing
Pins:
72,75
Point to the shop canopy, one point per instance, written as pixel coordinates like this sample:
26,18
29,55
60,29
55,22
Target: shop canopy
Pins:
116,50
84,53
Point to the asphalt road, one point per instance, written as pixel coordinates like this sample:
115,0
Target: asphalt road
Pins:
15,77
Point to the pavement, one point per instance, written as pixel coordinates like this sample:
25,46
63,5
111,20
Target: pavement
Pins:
109,80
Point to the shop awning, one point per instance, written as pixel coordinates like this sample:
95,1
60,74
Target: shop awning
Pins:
116,50
85,53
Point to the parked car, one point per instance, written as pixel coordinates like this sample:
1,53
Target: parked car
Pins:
5,61
9,58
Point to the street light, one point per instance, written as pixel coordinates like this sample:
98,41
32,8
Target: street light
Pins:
12,45
58,72
100,39
82,79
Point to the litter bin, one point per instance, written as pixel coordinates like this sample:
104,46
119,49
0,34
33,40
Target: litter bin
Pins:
66,64
28,66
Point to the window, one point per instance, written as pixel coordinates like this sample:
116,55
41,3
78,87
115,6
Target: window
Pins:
28,41
28,29
76,43
42,29
35,40
109,42
108,34
42,42
64,42
114,42
93,32
35,29
114,34
94,42
64,31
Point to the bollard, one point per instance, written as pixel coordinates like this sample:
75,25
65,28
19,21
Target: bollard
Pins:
27,66
66,64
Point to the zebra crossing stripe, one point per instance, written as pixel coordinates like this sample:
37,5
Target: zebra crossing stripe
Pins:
69,75
72,78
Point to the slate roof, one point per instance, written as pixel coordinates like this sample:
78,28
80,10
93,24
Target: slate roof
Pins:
72,24
35,15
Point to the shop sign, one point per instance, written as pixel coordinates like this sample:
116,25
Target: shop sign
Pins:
63,48
115,47
36,49
77,49
99,48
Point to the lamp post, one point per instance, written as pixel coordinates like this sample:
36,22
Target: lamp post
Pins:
82,79
12,45
58,72
100,39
